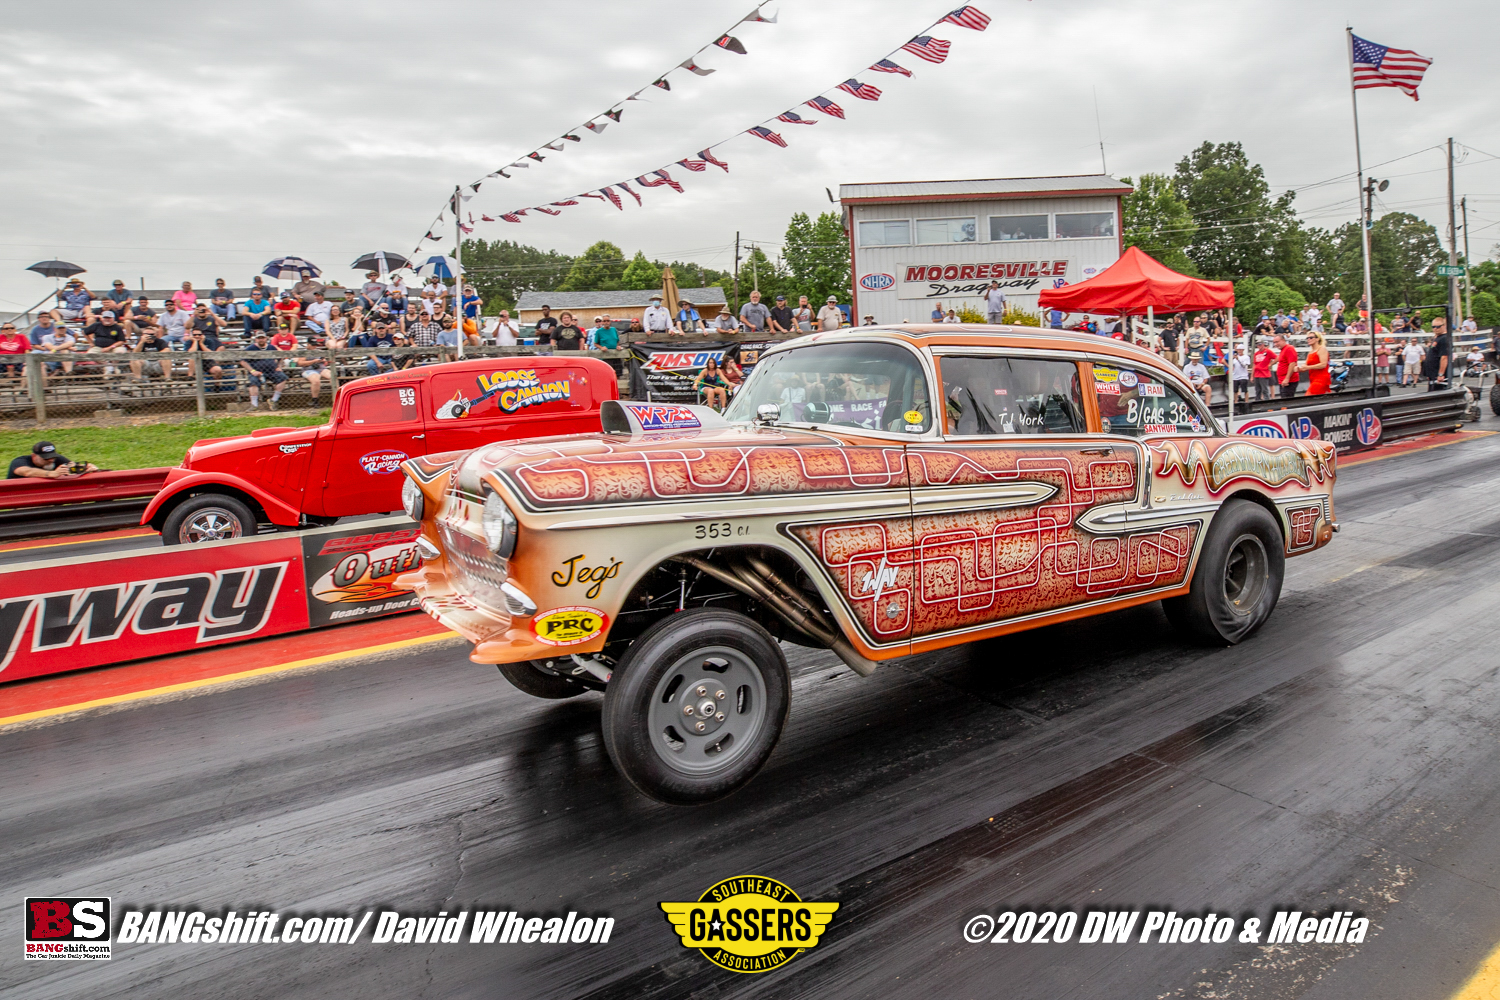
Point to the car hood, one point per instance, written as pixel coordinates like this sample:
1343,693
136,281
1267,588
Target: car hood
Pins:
236,454
736,461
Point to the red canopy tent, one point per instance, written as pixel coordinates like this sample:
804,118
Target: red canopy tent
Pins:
1136,282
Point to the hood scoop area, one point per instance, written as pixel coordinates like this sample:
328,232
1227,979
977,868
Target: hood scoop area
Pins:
619,416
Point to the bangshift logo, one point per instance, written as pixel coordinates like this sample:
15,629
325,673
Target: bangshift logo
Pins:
877,282
67,928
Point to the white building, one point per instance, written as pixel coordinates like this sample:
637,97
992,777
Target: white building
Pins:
918,243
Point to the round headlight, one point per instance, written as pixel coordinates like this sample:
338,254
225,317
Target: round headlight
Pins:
499,525
412,500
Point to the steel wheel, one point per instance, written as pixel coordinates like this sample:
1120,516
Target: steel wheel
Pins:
1238,578
1246,573
707,709
711,667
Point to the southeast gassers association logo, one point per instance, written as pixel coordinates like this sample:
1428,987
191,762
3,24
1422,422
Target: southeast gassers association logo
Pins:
749,924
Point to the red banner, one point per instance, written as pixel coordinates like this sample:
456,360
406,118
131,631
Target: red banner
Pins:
67,614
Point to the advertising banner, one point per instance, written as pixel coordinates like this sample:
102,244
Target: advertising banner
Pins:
665,372
1266,425
349,574
1352,426
941,281
67,614
749,353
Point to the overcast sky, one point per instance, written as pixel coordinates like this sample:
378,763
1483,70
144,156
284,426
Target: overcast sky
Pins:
172,141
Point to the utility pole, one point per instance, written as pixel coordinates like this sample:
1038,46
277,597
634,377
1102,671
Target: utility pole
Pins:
1452,249
754,269
736,272
1468,262
458,269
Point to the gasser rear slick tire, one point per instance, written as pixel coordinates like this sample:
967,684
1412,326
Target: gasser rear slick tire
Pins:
1238,579
538,683
208,517
696,705
1495,398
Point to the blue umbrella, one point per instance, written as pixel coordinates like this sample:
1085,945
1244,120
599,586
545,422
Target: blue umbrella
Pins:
291,267
439,265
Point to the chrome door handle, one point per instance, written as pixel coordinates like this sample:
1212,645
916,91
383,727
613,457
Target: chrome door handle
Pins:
417,437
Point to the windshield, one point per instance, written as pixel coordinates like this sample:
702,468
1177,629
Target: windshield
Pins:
863,385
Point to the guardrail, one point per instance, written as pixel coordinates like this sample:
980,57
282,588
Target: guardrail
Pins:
94,501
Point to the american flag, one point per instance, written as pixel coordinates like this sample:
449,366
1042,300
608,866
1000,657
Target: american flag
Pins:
696,166
826,106
792,118
486,218
546,211
519,211
666,179
934,50
614,198
767,135
590,194
886,66
467,229
565,204
627,189
863,91
510,217
1382,66
969,17
707,156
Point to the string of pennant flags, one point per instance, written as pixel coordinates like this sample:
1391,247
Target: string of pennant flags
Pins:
923,46
598,123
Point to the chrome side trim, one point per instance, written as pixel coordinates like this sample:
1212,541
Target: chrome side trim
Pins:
1117,519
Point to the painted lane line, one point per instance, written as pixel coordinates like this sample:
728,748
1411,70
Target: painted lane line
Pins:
224,678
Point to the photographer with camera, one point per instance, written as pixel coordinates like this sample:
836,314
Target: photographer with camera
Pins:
45,463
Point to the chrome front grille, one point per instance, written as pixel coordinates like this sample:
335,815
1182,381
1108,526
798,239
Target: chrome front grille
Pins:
478,572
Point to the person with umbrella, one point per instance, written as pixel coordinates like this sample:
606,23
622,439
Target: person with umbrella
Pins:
305,289
75,303
372,291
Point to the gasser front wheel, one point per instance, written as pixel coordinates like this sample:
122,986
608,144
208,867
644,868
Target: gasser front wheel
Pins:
539,683
696,705
1238,578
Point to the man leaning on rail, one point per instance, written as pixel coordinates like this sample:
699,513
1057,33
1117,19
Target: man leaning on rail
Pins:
45,463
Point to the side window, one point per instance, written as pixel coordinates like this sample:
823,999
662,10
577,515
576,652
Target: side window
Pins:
1136,403
990,395
395,404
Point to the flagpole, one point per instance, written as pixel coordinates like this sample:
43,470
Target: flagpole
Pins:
458,269
1359,204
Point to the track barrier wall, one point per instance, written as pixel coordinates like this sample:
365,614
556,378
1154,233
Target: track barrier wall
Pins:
67,614
1355,424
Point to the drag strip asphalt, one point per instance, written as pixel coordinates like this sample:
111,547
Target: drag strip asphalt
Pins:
1343,758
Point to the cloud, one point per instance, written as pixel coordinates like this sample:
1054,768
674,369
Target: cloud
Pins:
198,142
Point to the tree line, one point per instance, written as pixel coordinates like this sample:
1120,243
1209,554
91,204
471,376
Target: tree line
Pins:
814,261
1214,217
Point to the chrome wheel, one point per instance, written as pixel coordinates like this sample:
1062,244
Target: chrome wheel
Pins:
707,709
1246,573
210,524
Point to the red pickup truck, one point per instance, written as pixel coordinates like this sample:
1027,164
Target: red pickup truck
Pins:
298,476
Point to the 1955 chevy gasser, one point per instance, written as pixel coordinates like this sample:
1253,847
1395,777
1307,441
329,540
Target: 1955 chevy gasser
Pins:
876,492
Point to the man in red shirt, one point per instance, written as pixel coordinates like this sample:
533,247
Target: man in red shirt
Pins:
1286,367
288,311
1260,371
